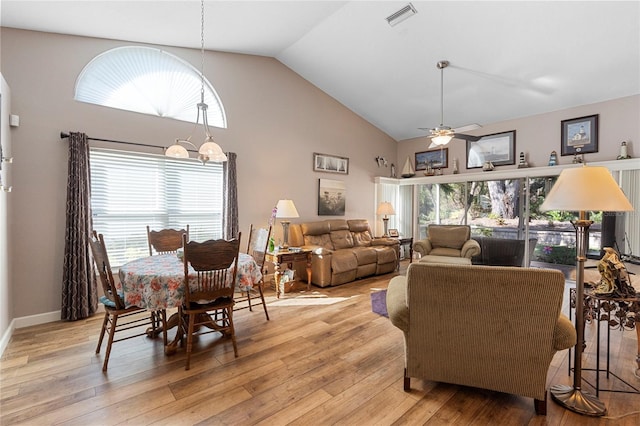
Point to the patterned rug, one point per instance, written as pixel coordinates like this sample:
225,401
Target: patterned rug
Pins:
379,303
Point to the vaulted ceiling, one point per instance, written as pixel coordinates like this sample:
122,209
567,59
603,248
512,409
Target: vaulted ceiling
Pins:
508,59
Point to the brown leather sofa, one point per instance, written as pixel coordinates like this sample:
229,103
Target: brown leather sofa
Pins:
344,250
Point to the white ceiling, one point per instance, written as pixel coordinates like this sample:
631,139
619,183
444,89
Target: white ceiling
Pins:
508,59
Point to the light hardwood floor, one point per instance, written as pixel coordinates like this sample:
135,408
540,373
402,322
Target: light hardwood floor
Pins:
310,365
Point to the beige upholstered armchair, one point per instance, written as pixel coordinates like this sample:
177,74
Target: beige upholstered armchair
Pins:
448,240
489,327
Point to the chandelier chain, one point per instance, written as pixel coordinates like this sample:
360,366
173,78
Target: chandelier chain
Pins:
202,50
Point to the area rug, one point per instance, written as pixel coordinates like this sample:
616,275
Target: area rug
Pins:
379,303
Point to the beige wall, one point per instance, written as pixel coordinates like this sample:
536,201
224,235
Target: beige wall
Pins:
276,121
538,135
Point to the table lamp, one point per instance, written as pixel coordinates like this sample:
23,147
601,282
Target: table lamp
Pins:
286,209
385,208
582,189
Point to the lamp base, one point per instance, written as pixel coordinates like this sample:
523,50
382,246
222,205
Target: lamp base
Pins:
578,401
385,220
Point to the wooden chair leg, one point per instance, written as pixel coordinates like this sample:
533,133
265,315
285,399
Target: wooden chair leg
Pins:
104,328
192,320
541,405
232,330
407,381
112,332
249,300
264,305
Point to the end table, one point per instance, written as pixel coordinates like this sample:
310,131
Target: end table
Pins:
288,258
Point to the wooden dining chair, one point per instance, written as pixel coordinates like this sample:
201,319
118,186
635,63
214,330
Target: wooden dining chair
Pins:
114,306
256,248
165,240
209,294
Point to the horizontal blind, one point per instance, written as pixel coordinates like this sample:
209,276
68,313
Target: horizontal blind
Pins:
131,190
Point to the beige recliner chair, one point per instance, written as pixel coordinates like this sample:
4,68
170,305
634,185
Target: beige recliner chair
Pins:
453,241
489,327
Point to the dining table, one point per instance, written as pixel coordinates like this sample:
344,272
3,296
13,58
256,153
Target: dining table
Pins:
157,282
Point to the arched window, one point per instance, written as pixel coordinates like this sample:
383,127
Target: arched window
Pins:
149,81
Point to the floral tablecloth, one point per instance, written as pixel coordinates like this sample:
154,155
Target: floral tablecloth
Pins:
157,282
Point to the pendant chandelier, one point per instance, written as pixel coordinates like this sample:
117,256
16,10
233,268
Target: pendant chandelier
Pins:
209,150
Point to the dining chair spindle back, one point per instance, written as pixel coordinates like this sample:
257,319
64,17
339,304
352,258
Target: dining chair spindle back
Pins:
165,240
209,294
256,248
114,305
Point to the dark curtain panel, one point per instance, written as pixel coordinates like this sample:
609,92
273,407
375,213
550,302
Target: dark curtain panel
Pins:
79,291
230,192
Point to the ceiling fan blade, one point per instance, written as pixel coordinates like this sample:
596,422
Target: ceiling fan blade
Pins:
467,137
467,128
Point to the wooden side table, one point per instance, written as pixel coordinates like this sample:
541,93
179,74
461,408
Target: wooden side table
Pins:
288,258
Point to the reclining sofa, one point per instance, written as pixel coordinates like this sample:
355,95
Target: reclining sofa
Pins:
344,250
489,327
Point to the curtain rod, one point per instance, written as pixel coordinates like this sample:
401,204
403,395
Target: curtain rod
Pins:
64,135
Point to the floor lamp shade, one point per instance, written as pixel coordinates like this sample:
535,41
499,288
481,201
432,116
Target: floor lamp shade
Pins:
582,189
385,208
586,188
285,209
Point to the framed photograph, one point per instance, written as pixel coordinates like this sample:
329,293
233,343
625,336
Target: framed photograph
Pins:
331,197
438,158
498,148
393,233
579,135
330,163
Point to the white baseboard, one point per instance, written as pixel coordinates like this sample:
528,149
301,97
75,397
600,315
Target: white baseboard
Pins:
30,320
37,319
4,341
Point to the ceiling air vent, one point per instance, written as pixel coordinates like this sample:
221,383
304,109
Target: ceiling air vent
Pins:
402,14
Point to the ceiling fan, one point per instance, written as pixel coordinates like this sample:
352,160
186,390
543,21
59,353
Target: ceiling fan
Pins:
442,134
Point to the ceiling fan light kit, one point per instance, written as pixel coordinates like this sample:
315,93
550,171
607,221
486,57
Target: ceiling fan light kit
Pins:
442,134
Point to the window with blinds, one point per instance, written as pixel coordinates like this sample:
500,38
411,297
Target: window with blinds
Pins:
131,190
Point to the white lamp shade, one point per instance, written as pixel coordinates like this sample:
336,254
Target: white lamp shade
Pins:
286,209
385,208
212,150
177,151
586,189
441,140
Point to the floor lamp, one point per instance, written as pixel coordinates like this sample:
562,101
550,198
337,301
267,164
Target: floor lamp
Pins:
583,189
286,209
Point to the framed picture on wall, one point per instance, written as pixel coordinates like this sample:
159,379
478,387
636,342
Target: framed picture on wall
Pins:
579,135
331,197
330,163
498,148
438,158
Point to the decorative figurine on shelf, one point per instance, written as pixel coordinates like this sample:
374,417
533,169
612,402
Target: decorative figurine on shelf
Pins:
623,151
578,158
523,162
553,158
429,171
393,171
455,166
407,169
487,166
